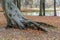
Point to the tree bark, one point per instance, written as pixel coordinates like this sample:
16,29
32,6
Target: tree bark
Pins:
19,4
40,14
55,8
43,7
15,18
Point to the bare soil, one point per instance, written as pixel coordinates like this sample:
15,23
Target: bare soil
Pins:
29,34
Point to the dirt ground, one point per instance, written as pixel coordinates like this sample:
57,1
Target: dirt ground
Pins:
29,34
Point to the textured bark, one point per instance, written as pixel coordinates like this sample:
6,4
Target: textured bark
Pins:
42,8
40,14
18,3
55,8
15,18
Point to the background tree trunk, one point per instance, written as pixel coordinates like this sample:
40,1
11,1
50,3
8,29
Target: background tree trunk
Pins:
55,8
43,7
40,14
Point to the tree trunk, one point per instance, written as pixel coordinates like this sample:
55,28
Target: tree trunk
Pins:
19,4
43,7
15,18
40,14
55,8
15,2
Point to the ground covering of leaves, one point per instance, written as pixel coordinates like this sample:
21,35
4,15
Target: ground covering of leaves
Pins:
29,34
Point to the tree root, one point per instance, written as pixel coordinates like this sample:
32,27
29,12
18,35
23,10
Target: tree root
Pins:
15,18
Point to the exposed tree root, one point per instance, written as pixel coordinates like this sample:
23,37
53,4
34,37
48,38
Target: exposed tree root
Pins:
15,18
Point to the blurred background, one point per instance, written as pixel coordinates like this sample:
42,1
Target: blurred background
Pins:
33,7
